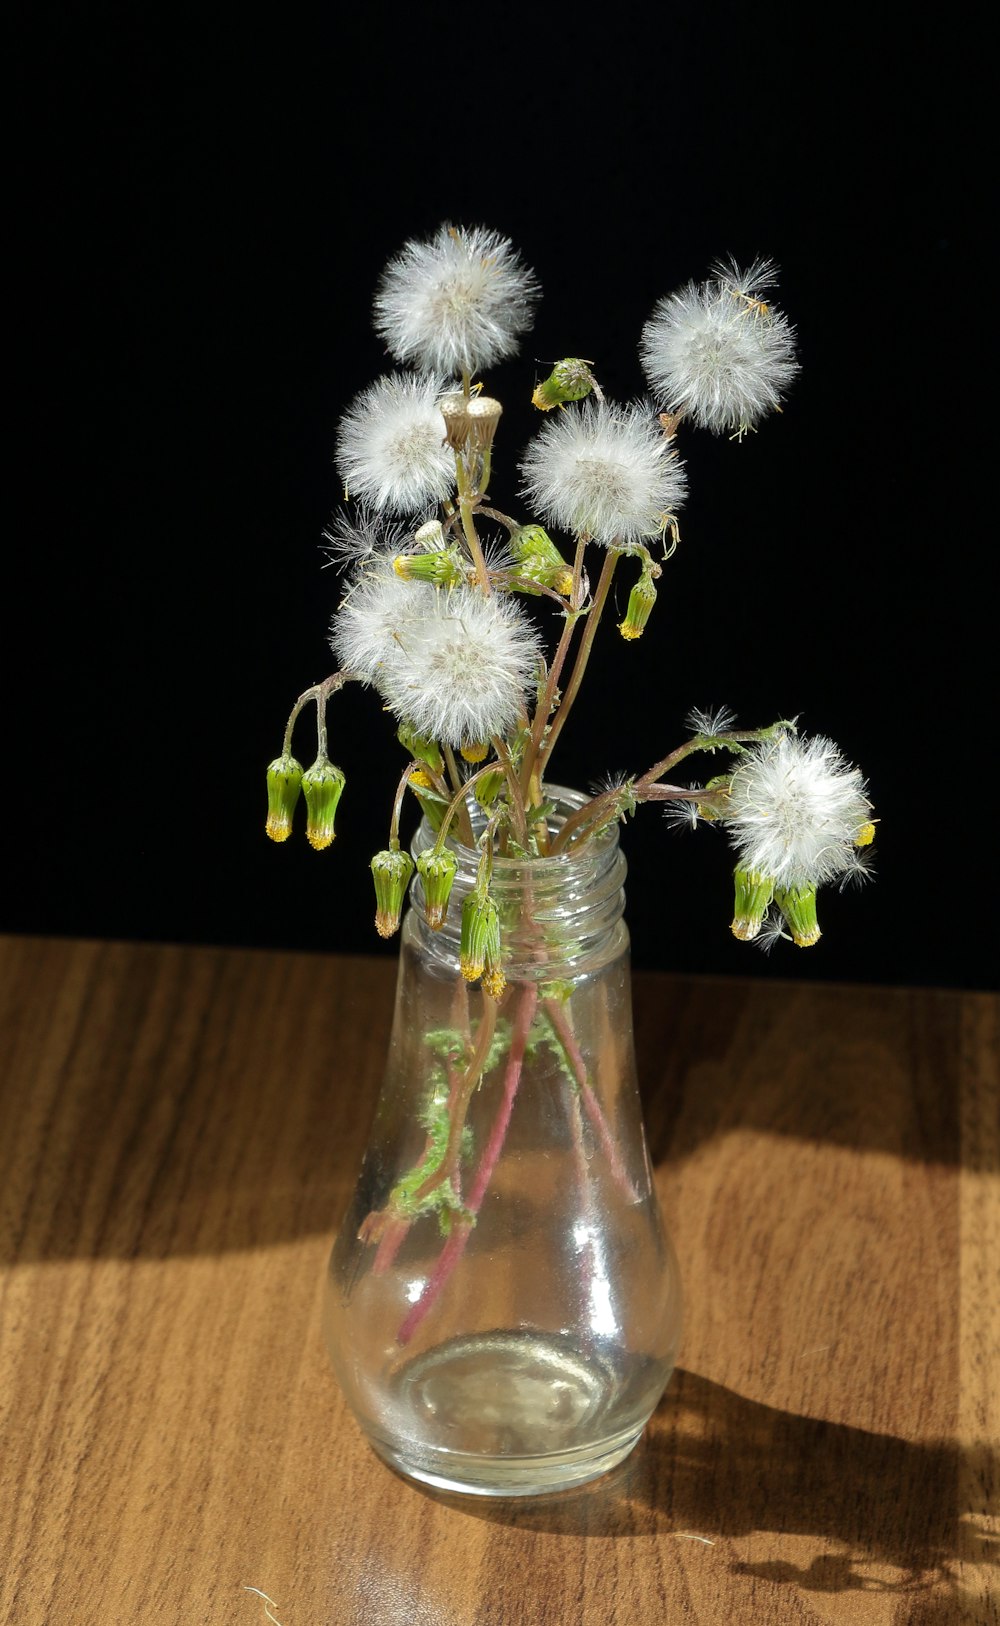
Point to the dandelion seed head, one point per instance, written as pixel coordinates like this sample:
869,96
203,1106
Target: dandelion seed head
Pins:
390,451
456,303
604,471
794,810
462,673
377,617
715,353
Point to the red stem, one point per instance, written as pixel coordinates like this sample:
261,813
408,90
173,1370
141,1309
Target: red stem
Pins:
592,1106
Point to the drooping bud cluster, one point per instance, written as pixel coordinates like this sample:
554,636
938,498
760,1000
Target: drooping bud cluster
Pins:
479,945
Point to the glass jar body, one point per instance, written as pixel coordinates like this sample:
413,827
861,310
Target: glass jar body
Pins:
503,1303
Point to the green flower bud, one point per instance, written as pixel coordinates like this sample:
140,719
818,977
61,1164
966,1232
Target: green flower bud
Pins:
432,806
322,785
489,786
798,905
442,568
569,380
423,749
479,946
284,782
437,871
753,895
539,560
391,872
640,604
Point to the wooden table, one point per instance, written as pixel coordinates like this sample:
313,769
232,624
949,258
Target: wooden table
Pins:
180,1132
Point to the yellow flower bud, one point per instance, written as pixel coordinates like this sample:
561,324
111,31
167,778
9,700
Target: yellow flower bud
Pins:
753,895
437,871
798,905
640,604
322,785
391,872
479,945
284,782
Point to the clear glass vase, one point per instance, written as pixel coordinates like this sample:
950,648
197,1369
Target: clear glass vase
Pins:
503,1305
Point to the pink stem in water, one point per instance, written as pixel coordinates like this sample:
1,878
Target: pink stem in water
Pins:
592,1106
454,1247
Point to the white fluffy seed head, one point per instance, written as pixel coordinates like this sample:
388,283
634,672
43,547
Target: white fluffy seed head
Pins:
718,352
604,471
456,303
795,810
461,675
390,450
380,615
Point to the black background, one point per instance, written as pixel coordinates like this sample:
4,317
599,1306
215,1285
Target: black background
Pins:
208,204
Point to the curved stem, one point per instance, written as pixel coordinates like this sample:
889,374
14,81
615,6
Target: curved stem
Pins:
397,803
320,692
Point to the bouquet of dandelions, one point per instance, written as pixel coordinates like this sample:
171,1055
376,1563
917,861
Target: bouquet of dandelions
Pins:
434,617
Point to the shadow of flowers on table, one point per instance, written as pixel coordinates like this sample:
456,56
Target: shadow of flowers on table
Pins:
716,1467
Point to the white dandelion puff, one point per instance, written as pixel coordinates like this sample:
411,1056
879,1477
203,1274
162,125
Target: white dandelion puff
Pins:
390,444
379,616
604,471
719,354
795,810
353,540
461,675
456,303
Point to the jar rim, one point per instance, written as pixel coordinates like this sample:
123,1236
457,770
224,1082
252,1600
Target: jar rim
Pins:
567,801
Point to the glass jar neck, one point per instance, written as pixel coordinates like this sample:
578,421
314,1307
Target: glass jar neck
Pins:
557,914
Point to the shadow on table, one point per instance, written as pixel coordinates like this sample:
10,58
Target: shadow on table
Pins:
205,1102
713,1465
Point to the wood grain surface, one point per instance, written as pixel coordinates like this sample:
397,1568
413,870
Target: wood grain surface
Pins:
179,1133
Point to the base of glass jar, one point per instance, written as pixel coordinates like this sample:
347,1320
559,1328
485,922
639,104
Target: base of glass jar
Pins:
507,1476
513,1414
